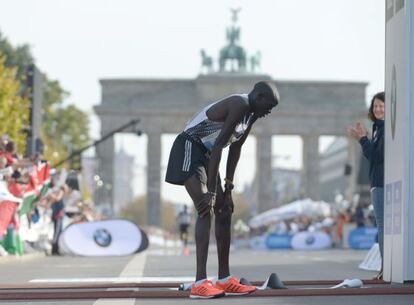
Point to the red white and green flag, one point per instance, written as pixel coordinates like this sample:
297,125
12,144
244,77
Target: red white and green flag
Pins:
37,187
43,177
30,194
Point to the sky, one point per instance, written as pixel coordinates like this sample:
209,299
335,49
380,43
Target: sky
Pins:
79,42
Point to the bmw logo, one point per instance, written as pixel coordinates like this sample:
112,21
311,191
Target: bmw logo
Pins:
102,237
310,240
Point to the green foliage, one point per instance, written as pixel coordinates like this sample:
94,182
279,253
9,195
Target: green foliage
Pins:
19,57
14,110
53,95
136,211
64,128
241,208
68,127
168,217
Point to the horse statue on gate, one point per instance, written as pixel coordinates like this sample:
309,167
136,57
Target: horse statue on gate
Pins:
206,61
255,61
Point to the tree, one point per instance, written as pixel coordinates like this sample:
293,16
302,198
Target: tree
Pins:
136,211
64,128
241,208
19,57
67,126
14,109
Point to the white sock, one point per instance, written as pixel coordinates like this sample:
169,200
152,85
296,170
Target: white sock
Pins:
224,279
199,282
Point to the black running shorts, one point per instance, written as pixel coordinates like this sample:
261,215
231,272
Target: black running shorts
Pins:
184,228
187,158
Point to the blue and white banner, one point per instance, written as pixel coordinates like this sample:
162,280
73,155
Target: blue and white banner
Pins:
278,241
362,238
311,241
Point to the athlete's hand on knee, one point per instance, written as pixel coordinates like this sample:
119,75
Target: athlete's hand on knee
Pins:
227,205
206,203
228,200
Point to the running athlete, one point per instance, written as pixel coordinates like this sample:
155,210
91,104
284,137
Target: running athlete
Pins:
194,161
184,220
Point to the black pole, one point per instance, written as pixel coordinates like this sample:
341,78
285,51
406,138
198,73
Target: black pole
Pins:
79,151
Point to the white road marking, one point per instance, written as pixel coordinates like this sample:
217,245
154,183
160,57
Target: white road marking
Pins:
138,279
135,267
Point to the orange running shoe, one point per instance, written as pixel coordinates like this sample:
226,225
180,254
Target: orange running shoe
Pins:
205,290
233,287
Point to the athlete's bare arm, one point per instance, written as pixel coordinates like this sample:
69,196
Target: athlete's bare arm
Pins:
234,153
230,111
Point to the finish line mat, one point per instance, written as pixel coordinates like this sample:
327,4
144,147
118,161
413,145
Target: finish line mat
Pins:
151,282
159,293
55,291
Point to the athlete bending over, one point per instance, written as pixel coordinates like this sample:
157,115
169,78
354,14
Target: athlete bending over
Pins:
194,162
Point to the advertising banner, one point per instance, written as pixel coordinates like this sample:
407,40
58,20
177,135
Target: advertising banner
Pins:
399,142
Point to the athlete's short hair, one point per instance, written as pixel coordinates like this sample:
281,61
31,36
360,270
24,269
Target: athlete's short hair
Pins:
268,89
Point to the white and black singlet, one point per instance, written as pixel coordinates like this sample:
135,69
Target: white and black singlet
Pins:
205,131
191,149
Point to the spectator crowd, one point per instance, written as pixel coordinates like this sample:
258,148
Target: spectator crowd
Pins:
36,203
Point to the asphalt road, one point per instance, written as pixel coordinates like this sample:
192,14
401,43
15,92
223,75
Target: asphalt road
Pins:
288,264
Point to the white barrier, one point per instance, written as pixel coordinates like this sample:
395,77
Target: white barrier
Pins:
372,260
103,238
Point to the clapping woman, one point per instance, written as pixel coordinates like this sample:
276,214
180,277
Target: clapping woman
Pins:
373,150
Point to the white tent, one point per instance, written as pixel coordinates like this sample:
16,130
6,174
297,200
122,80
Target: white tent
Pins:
304,207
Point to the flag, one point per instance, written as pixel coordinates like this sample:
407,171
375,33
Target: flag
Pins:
43,176
37,187
6,195
30,195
